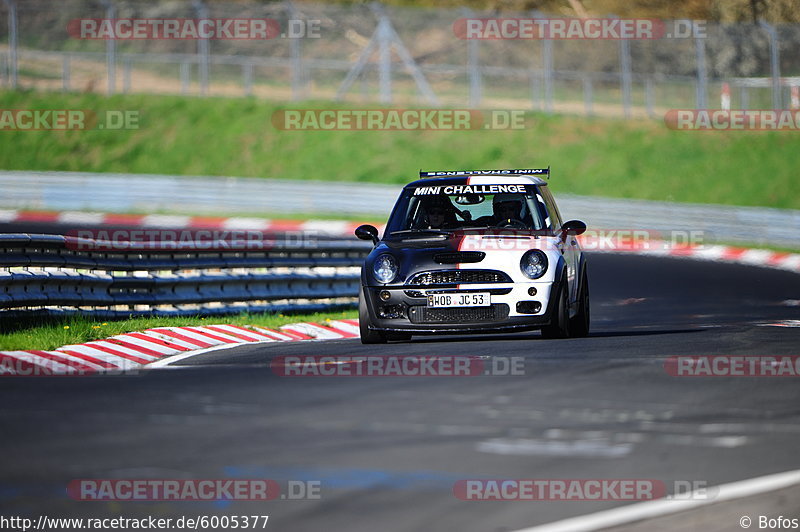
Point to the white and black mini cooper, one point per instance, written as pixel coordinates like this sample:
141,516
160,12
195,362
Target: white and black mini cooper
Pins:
474,251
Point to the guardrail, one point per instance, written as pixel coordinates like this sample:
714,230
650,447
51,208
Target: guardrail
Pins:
62,191
65,274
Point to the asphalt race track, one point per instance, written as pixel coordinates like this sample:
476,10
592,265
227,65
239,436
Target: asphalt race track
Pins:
388,451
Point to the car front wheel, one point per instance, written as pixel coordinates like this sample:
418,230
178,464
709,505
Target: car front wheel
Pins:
368,336
559,323
579,325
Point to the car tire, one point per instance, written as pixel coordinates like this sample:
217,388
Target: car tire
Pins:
559,324
579,325
368,336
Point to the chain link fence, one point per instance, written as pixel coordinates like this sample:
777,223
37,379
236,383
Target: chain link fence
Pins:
399,56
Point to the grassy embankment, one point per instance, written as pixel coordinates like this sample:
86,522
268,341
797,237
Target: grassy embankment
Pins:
235,137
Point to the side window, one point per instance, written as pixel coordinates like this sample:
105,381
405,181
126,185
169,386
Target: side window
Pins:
552,210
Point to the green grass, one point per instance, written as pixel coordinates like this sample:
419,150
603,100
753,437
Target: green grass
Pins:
48,334
235,137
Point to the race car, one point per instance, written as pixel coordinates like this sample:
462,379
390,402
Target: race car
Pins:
474,251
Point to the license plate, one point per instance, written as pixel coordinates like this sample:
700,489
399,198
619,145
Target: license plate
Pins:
475,299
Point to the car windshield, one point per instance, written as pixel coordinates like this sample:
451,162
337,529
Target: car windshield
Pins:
433,212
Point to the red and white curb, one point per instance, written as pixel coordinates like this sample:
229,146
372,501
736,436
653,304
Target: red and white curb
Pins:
135,350
163,221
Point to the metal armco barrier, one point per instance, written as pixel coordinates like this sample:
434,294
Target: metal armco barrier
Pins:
56,274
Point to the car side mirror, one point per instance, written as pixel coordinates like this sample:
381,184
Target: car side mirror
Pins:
573,227
368,232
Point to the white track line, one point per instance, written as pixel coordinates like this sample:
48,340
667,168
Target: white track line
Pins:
273,334
315,331
658,508
168,361
344,326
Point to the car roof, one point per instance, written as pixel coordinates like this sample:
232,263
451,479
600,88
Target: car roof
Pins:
479,179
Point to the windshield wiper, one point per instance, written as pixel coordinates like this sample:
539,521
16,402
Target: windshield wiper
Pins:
423,232
412,231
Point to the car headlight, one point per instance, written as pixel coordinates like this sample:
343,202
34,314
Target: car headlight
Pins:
385,268
533,264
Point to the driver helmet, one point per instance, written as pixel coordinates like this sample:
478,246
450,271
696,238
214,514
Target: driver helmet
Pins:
439,210
508,206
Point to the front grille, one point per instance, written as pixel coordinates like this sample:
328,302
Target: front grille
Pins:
459,257
451,277
421,314
493,291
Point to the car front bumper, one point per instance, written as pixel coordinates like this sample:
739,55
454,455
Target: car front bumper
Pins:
405,310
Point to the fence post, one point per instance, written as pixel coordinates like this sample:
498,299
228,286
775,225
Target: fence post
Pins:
296,50
247,73
702,73
12,42
126,75
536,97
185,75
588,97
202,47
66,73
626,78
774,55
649,97
111,50
547,60
384,61
473,67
